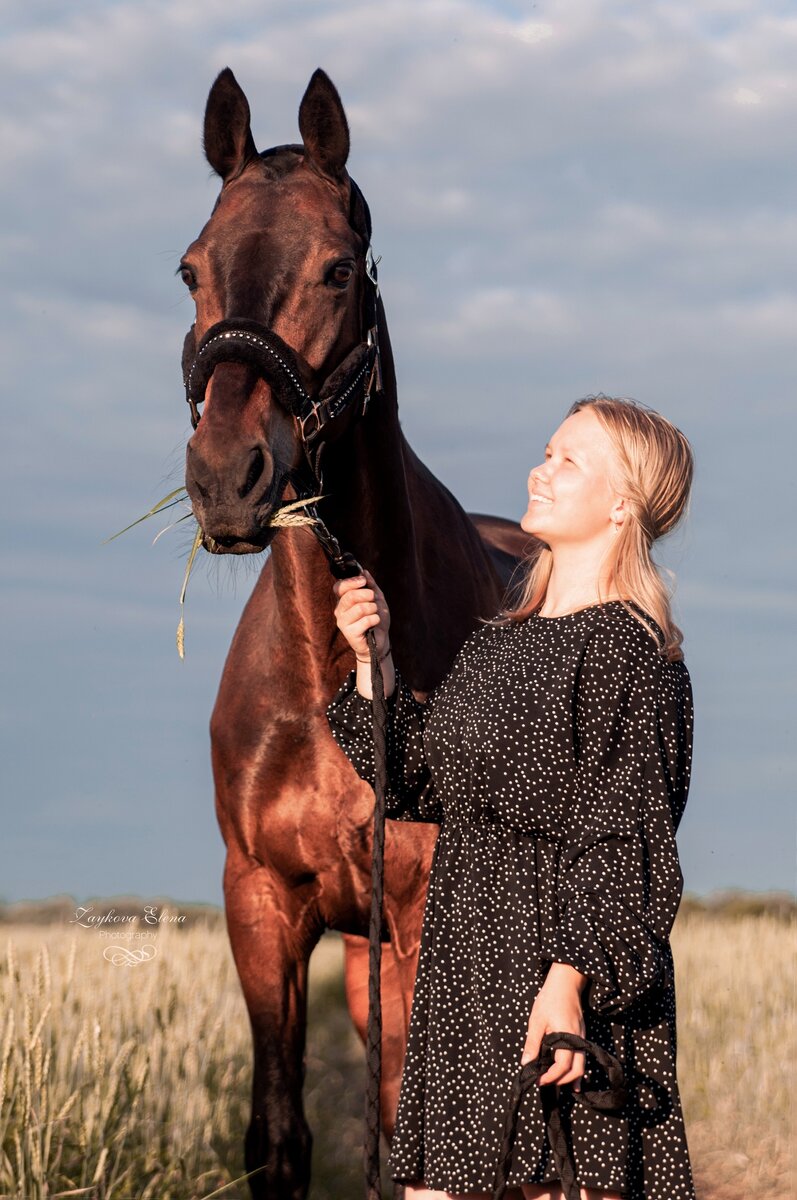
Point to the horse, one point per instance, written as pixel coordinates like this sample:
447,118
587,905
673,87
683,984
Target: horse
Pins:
283,271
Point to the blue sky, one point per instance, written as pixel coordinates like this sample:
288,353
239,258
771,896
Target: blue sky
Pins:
567,197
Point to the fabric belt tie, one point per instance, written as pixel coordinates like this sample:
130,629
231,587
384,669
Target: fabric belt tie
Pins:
613,1098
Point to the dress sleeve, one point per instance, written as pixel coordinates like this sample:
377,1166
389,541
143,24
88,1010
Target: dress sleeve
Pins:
410,789
619,880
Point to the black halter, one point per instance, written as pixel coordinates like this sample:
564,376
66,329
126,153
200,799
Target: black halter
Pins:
241,340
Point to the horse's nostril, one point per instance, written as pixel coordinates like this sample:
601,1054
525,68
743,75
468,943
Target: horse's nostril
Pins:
256,464
227,541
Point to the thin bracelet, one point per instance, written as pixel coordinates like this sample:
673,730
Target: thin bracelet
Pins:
388,652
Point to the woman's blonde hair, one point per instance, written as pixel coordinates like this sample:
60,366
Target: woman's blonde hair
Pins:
655,469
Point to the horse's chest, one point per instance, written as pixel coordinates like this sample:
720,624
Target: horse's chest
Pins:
280,793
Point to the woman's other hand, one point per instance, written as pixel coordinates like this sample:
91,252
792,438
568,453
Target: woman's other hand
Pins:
557,1009
362,606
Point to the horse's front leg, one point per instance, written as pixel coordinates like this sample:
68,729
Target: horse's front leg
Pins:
272,933
395,1017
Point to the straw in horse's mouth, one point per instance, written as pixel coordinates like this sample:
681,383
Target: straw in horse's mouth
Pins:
281,516
289,514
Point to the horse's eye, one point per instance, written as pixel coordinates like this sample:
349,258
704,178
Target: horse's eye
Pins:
188,277
341,273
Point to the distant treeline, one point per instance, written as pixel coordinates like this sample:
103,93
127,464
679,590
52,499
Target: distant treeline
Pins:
116,911
735,902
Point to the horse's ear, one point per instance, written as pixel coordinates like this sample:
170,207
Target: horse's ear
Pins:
323,126
228,139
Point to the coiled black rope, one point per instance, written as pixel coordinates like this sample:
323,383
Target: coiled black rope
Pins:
526,1078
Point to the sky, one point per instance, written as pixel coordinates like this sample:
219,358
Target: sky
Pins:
568,198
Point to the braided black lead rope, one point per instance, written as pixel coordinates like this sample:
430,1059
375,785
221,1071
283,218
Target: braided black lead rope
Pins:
527,1077
373,1041
344,565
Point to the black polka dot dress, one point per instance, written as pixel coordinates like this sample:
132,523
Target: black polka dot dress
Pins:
555,756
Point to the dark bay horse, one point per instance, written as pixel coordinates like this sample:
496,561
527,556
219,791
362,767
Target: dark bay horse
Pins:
284,252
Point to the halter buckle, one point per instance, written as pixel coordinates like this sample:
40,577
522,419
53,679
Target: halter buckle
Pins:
371,264
195,413
375,378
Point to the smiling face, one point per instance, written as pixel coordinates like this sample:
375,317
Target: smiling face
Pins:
571,498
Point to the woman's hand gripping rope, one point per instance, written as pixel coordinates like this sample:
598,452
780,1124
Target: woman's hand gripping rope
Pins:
362,606
557,1009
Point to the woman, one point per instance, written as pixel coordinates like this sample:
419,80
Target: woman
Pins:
556,758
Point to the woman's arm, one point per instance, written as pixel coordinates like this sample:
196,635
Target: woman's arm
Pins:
363,676
619,879
411,795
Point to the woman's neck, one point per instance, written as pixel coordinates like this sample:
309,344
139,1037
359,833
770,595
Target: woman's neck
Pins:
579,577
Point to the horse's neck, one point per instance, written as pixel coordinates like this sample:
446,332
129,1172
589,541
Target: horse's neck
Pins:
388,510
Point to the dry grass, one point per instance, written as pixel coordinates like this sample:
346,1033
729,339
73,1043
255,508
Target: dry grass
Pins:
290,514
122,1082
735,983
114,1076
132,1083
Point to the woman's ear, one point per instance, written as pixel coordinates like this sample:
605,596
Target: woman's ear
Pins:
619,513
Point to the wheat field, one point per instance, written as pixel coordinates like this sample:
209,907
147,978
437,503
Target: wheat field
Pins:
131,1082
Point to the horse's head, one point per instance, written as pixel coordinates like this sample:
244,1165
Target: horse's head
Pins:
280,279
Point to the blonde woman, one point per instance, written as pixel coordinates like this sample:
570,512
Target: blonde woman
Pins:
555,756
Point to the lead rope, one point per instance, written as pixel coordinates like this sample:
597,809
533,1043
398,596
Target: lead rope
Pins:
373,1041
344,565
527,1077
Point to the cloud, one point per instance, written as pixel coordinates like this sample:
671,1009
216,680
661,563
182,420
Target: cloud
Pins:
493,319
746,96
586,197
532,32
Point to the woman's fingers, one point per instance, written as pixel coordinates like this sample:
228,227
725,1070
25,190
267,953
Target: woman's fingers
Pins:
358,608
342,586
355,591
532,1046
357,628
355,601
562,1064
362,606
568,1069
568,1065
